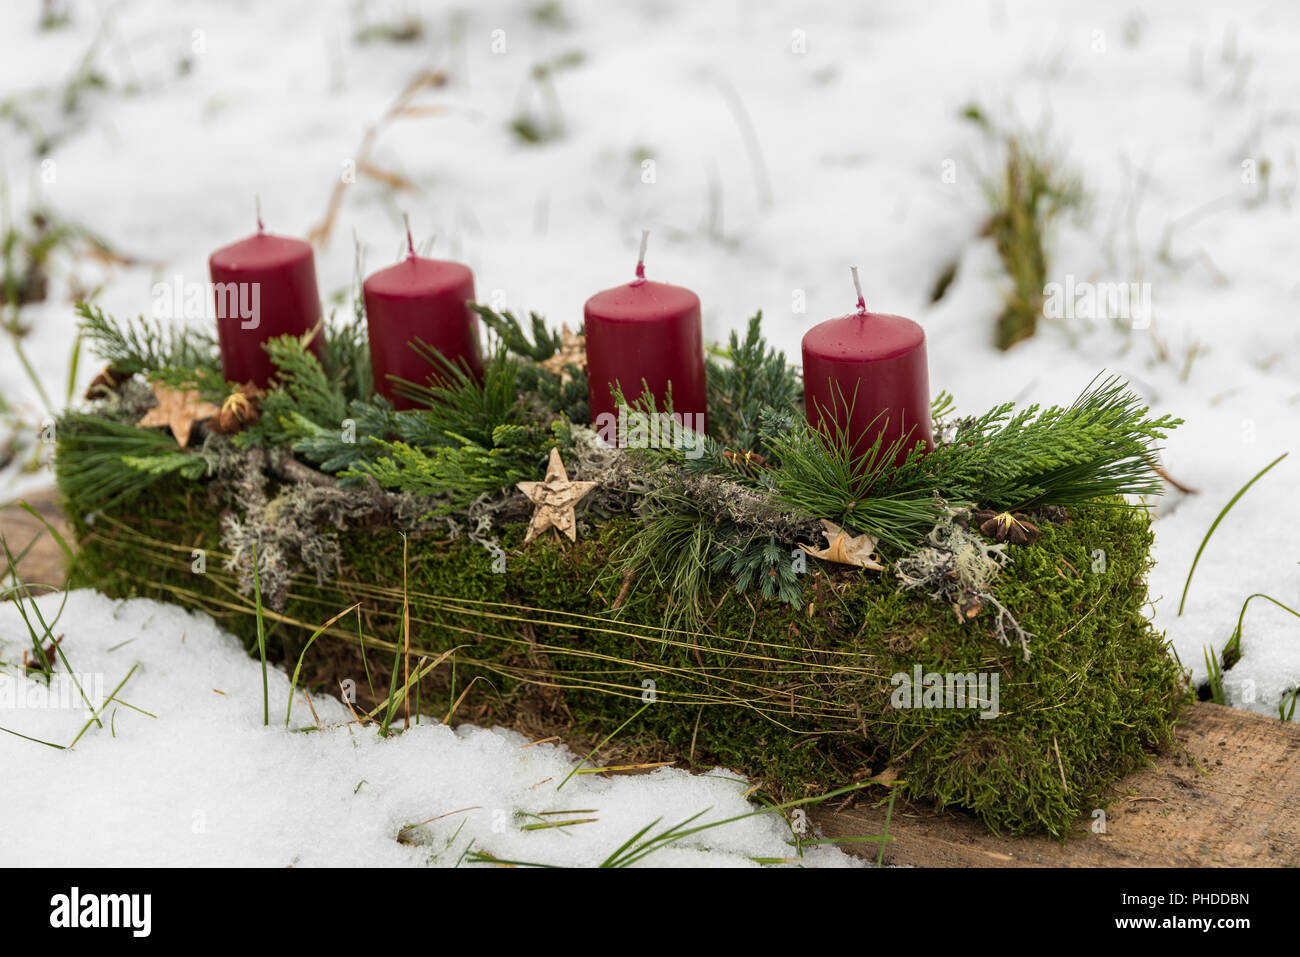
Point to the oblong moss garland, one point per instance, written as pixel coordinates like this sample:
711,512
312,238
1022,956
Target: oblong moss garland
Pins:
799,700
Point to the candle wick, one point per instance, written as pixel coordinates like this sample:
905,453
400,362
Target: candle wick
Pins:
410,243
857,284
640,259
257,206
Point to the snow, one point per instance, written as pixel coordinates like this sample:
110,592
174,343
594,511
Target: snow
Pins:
1164,112
199,780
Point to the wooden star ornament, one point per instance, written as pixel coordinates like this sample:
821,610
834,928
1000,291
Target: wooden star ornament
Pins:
573,352
178,410
846,549
554,499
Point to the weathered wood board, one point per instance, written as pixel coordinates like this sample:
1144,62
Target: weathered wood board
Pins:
1236,802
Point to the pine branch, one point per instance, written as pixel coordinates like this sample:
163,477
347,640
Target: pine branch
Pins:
831,477
302,391
105,462
145,345
347,354
509,330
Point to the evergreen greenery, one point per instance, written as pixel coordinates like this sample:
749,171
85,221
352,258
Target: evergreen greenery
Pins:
474,437
103,463
689,577
743,380
1101,446
567,398
146,345
722,512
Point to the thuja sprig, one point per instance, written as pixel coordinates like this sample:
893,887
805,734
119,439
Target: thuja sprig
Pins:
1101,446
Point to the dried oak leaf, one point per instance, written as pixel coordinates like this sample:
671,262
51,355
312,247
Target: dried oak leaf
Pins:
846,549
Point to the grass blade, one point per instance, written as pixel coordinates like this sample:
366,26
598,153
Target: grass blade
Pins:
609,737
1231,502
261,639
297,669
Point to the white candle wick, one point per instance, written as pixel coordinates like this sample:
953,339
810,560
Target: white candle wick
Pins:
857,284
640,258
257,207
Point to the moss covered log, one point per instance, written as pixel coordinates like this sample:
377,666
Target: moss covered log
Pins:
802,700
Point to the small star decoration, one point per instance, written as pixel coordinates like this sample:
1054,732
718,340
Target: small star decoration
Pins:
178,410
846,549
573,352
554,499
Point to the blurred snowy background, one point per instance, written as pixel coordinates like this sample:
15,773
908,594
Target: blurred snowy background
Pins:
768,146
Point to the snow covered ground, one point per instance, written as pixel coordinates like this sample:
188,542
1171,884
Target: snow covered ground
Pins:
198,780
768,146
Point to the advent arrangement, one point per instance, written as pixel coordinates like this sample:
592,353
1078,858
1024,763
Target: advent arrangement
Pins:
818,576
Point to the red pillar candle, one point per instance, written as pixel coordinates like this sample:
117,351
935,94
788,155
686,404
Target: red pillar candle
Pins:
866,374
646,331
263,286
426,299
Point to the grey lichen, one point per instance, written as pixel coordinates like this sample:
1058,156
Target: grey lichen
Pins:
959,566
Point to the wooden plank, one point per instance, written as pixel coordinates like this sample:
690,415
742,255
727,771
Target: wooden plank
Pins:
43,562
1235,802
1228,795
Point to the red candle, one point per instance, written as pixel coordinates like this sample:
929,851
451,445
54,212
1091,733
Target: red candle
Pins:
866,374
646,331
263,286
425,299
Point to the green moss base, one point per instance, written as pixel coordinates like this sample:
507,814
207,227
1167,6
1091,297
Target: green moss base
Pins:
800,700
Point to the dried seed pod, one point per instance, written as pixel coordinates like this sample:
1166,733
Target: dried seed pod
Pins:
745,459
239,409
108,380
1005,527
